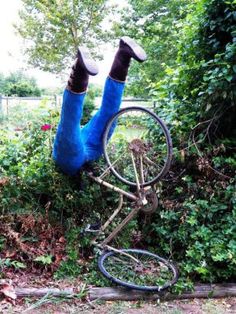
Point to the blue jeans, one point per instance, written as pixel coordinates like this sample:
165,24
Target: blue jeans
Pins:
74,145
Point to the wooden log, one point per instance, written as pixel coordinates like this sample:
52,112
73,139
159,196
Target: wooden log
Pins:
123,294
40,292
200,291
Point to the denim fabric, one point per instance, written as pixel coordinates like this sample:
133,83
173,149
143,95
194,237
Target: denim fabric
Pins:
74,146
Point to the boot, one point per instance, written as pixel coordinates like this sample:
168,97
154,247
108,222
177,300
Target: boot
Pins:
128,48
83,67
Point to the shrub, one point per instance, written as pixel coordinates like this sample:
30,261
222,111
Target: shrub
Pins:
19,84
194,224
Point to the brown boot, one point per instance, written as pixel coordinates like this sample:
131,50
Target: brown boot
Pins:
128,48
83,67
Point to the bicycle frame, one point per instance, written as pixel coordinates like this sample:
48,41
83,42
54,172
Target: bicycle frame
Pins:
139,262
140,200
137,150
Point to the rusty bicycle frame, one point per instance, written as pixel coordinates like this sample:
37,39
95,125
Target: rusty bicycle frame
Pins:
139,198
145,200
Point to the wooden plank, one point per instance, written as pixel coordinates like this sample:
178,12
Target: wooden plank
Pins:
123,294
200,291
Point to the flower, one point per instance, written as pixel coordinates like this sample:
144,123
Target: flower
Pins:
46,127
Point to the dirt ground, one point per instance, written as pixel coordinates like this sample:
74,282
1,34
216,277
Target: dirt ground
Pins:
74,306
81,304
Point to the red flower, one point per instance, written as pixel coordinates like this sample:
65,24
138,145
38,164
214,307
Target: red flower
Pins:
46,127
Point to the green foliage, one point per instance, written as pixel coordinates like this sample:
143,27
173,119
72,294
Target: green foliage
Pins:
81,260
18,84
194,223
201,88
2,242
198,232
209,62
44,259
89,103
7,262
55,29
196,98
156,25
192,49
71,267
30,180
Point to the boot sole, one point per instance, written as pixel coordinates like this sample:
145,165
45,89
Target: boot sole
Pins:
89,64
139,54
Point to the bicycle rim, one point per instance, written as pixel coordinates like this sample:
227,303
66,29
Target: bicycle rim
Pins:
138,269
137,144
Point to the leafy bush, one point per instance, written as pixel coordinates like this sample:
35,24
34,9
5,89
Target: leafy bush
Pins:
30,182
18,84
194,224
200,90
196,98
195,221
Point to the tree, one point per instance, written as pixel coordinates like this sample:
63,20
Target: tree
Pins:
197,95
156,24
53,30
207,67
18,84
23,89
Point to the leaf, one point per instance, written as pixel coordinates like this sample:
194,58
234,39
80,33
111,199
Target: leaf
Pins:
4,181
17,264
208,107
229,78
205,78
10,253
44,259
62,240
8,291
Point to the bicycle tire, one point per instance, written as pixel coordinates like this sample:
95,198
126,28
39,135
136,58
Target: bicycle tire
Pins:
102,261
108,131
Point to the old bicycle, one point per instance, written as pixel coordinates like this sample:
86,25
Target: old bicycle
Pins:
138,150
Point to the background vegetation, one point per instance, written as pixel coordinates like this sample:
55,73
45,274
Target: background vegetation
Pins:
18,84
53,30
191,73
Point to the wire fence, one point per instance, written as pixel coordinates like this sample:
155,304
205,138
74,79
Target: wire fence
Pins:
9,105
17,110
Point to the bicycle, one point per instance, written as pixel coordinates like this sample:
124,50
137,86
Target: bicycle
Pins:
137,159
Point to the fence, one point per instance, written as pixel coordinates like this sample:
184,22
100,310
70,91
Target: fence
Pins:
10,106
126,102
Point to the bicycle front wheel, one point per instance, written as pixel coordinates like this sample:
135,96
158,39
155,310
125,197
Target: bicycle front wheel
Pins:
138,269
137,146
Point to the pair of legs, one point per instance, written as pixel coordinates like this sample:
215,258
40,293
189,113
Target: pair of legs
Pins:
74,146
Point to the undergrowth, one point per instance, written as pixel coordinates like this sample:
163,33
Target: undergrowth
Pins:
43,208
194,224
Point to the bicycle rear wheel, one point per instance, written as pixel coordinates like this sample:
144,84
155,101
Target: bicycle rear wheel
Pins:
138,269
137,146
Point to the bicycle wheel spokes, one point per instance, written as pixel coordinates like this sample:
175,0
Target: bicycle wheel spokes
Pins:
137,131
138,269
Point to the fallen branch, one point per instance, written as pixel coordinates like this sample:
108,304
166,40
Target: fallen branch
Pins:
200,291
